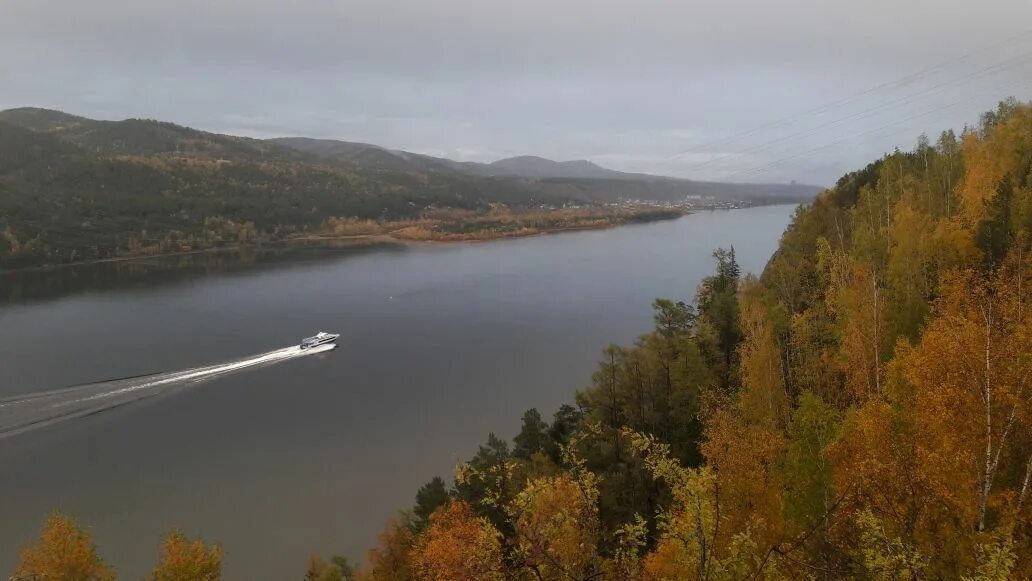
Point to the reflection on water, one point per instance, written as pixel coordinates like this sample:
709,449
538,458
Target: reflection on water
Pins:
48,283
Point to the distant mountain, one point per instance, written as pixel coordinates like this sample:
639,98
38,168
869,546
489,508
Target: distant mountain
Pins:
532,166
73,188
580,179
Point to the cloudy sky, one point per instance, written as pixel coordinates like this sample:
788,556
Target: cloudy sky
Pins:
737,90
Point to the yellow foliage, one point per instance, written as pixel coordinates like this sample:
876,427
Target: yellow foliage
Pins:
745,458
990,159
764,399
557,528
391,560
183,559
65,552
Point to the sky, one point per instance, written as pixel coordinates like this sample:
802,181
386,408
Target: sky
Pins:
728,90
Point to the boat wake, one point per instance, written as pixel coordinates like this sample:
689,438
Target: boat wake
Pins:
22,413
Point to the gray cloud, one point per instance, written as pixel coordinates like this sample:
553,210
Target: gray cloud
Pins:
653,86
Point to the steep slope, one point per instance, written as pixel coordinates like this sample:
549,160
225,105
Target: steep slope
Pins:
862,410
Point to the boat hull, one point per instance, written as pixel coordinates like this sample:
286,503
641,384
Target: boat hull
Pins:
320,339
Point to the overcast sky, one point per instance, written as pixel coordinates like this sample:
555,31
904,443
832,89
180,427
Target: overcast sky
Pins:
692,89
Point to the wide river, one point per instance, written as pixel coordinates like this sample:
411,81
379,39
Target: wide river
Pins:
277,455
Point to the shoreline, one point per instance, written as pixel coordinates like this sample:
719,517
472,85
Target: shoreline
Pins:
344,241
376,239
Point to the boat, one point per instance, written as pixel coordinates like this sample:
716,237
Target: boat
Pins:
319,338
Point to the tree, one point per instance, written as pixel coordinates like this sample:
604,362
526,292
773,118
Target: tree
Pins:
182,559
489,474
673,318
764,397
718,306
971,375
533,436
566,420
808,466
557,527
744,459
458,544
319,570
688,546
65,552
391,560
429,498
347,570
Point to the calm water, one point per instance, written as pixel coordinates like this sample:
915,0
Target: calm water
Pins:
440,345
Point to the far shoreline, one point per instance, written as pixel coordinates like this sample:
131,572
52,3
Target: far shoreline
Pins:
379,239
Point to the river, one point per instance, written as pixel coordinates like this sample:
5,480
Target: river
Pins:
278,456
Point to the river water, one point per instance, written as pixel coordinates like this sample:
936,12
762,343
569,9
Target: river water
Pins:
145,396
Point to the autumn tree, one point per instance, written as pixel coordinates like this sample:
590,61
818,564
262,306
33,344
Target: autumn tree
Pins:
458,544
973,397
764,398
391,559
64,551
182,558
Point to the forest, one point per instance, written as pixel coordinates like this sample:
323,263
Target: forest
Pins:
74,189
863,409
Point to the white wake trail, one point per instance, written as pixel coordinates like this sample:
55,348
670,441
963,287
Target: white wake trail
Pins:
21,413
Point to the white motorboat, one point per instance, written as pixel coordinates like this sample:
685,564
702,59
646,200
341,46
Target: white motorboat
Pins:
319,338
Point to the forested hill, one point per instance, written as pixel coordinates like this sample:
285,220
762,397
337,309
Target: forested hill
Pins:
861,410
74,189
578,179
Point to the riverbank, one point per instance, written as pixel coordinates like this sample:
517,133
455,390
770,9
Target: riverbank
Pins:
435,227
465,226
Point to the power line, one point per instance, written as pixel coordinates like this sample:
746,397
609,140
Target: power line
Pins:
866,113
779,162
884,85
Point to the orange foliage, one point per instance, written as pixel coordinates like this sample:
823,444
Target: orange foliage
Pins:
391,559
557,528
65,552
458,545
990,159
745,458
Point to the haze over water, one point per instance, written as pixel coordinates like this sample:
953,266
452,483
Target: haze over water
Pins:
439,346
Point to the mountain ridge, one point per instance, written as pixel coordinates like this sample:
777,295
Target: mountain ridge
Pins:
74,189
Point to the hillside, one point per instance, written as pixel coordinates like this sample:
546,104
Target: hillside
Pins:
578,179
75,189
862,410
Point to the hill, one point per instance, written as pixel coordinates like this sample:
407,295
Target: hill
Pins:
578,179
75,189
860,411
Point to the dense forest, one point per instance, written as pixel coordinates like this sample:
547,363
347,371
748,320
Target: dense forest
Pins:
863,409
75,189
